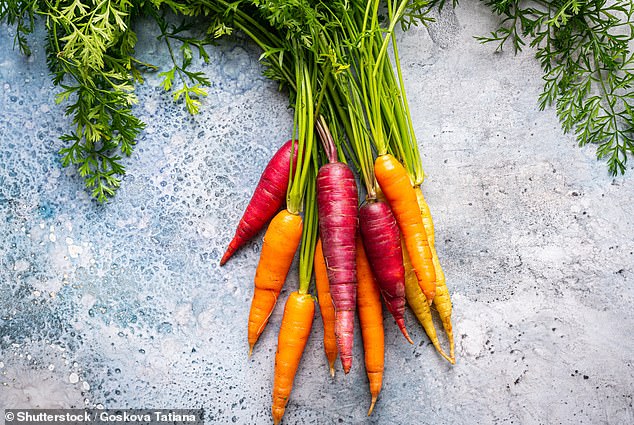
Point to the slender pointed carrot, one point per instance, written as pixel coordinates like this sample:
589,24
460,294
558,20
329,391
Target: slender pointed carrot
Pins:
337,207
294,331
442,300
326,307
417,301
396,186
371,321
382,243
278,249
267,199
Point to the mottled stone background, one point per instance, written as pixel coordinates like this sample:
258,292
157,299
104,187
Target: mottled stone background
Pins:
124,304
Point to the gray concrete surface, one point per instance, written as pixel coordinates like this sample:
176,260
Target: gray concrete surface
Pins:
124,305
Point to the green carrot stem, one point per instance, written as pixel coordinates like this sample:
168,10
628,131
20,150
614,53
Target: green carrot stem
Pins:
304,119
309,232
413,162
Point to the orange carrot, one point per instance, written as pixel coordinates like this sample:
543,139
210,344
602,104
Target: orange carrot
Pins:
278,249
326,307
371,321
396,186
296,324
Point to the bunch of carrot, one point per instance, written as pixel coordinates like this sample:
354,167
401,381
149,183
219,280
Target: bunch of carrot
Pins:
351,114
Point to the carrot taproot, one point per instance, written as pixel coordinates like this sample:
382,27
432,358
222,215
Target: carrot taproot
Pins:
326,307
382,243
278,249
442,300
297,322
418,303
337,210
371,321
267,199
395,184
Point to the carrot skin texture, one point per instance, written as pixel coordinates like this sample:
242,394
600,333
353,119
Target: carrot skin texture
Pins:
267,199
337,210
278,249
382,243
396,186
326,307
371,320
418,303
425,213
442,300
297,322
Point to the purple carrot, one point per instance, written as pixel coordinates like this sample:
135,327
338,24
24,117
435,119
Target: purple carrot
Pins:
267,199
337,209
382,244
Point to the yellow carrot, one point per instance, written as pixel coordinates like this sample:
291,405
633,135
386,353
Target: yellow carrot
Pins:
442,300
417,301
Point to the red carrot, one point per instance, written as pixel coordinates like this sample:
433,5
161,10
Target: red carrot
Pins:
337,207
382,243
267,199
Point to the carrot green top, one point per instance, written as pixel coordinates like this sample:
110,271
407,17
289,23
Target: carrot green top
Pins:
304,124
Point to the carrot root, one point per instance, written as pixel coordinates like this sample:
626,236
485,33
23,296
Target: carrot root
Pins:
344,330
401,326
371,321
268,197
417,301
382,245
278,249
374,398
337,208
442,299
297,322
396,186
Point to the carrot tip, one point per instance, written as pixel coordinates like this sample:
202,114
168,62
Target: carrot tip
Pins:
276,421
401,325
226,256
446,357
372,405
332,371
250,350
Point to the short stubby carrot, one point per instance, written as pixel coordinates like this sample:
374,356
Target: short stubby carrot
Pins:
442,300
397,188
278,249
291,341
382,243
326,307
267,199
371,321
337,208
418,303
